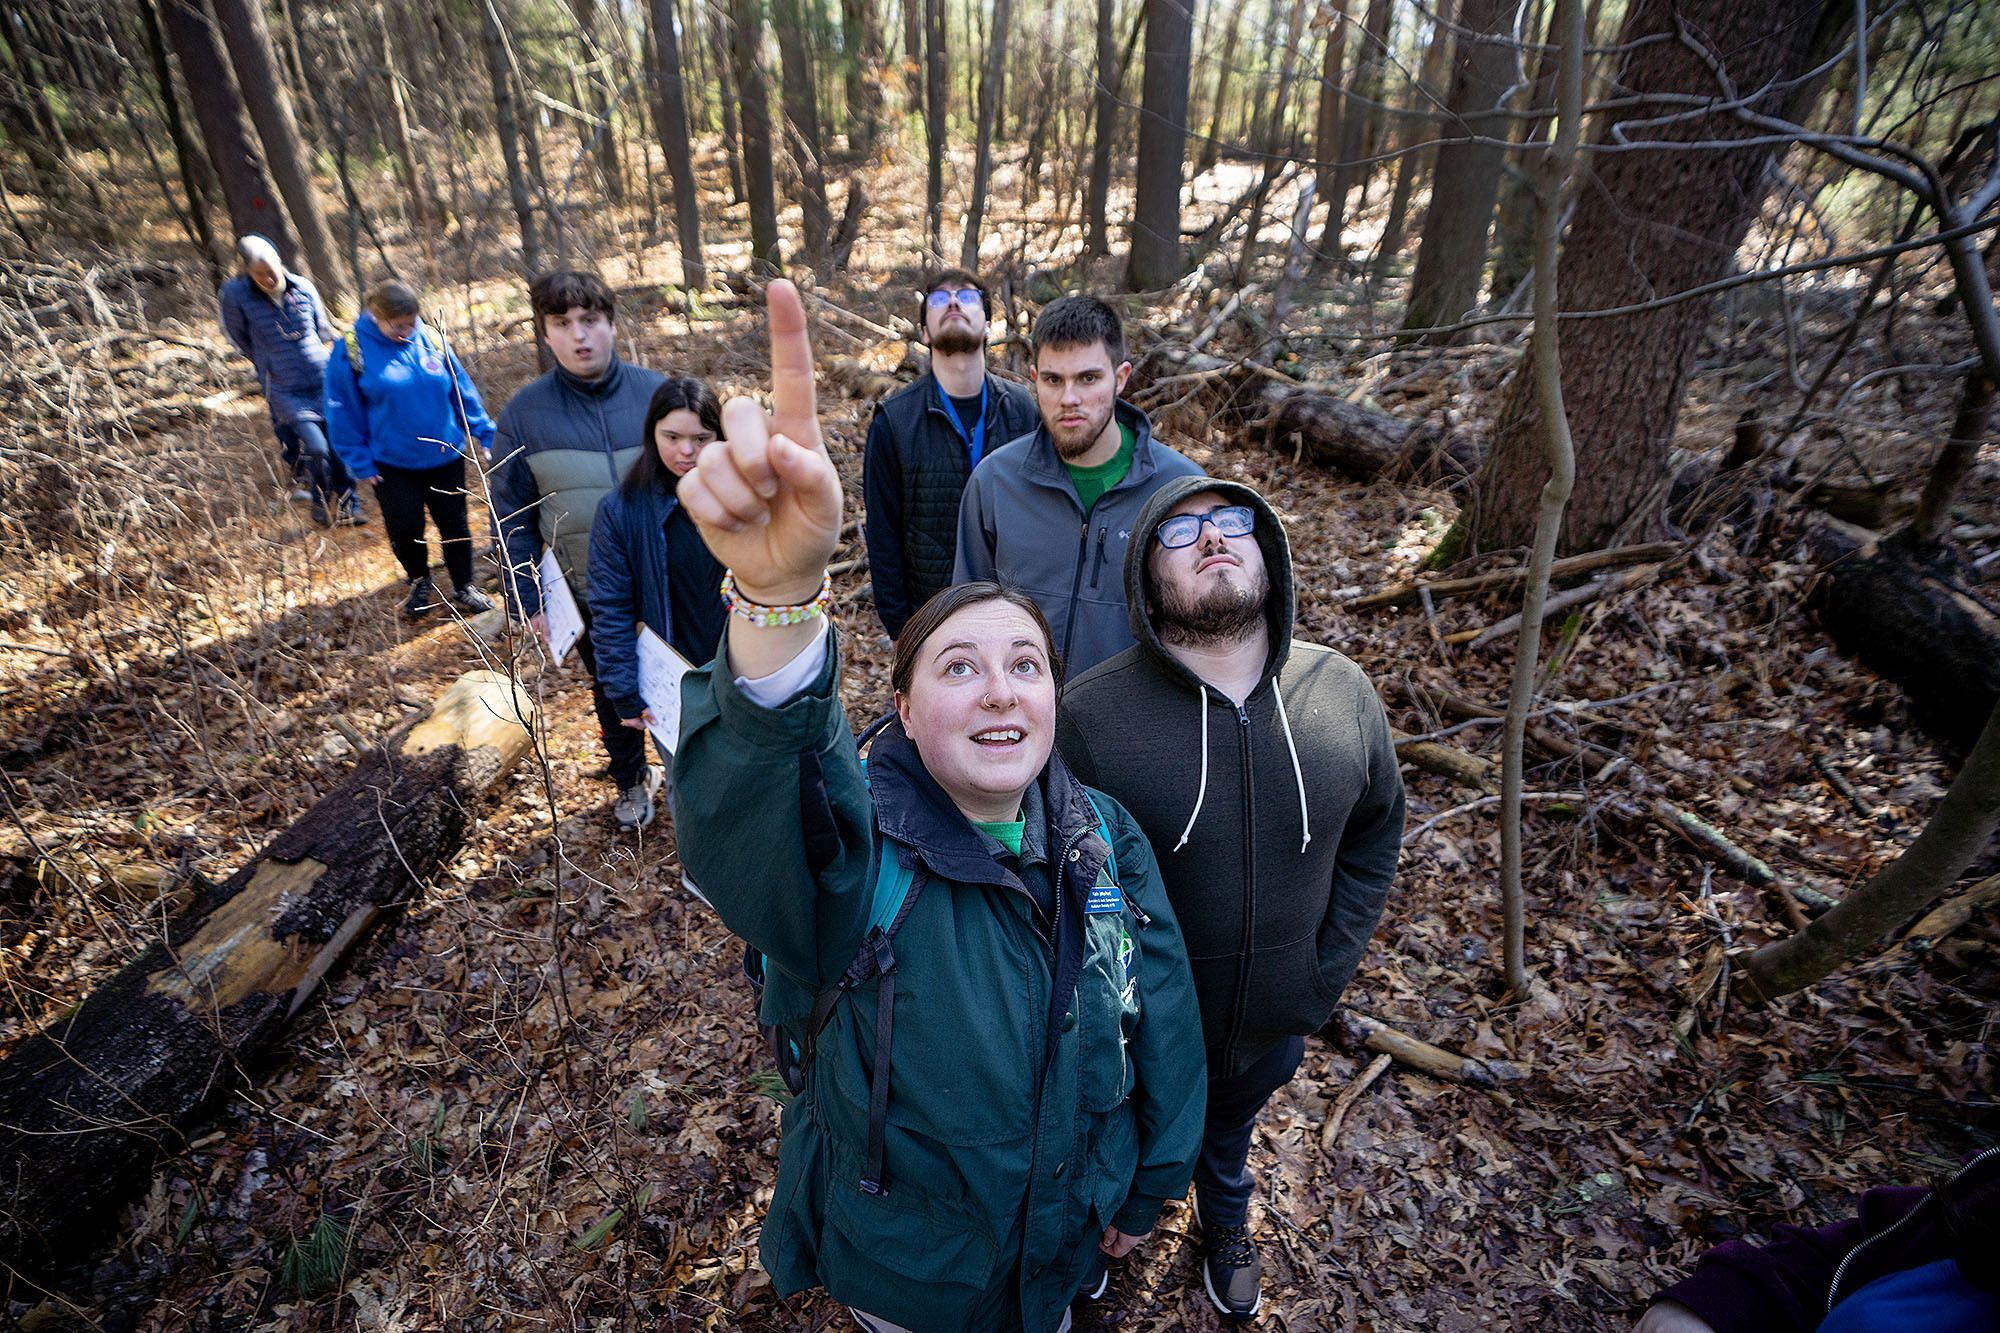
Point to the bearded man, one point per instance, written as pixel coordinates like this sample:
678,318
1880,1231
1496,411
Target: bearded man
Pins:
1262,771
1053,512
924,442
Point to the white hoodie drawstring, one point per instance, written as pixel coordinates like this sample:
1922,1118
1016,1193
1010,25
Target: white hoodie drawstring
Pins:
1202,790
1284,723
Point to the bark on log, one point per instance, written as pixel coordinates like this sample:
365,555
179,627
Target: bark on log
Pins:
86,1105
1361,1030
1910,616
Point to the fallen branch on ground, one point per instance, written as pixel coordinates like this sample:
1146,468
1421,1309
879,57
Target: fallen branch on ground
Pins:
1500,579
1425,1058
1345,1102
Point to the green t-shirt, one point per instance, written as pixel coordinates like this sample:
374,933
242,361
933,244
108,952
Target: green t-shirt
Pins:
1008,835
1092,482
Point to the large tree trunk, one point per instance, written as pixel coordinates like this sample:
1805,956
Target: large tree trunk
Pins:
673,118
1272,141
982,160
1326,125
1097,190
913,53
1451,258
86,1105
1156,209
937,101
802,128
507,120
197,177
248,38
225,129
592,73
1647,224
416,189
758,177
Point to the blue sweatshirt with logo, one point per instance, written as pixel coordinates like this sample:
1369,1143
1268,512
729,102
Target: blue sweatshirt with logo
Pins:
409,407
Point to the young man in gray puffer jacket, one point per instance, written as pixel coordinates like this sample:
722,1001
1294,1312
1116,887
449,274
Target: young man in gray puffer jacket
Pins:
1262,771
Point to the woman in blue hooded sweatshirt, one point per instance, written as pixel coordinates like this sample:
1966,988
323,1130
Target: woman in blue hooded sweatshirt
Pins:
401,412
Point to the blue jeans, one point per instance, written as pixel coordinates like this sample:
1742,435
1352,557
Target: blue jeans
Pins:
1222,1180
306,450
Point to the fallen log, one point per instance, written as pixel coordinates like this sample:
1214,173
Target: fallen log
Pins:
1503,579
86,1105
1952,913
1914,616
1448,761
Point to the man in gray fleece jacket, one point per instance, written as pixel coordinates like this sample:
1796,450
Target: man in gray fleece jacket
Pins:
1262,771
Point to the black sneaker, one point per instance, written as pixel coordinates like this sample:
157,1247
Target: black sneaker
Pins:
471,601
422,599
1231,1271
1096,1281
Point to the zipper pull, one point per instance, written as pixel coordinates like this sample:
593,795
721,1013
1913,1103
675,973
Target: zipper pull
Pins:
1139,914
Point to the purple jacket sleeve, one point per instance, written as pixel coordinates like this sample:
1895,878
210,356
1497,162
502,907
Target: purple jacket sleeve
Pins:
1782,1287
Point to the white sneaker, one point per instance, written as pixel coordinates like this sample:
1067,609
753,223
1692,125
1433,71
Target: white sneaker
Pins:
635,804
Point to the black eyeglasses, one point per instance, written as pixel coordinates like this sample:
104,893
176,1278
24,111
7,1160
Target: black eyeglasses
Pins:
968,297
1185,529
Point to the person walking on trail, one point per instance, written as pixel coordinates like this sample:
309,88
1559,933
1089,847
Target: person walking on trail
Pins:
1051,513
924,442
277,320
402,413
1261,768
648,563
566,440
1003,1081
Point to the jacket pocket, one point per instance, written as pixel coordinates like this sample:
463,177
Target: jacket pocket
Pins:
1107,1008
1287,994
900,1257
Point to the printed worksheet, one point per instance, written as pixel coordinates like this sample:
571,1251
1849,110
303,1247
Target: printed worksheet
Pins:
660,672
559,605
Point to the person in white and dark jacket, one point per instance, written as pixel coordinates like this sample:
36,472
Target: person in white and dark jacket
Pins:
1263,773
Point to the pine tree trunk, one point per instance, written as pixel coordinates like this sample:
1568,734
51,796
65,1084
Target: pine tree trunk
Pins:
802,133
248,39
1271,142
194,169
225,128
1410,162
982,162
755,104
1647,224
1327,123
732,146
673,126
1451,259
862,36
605,143
1156,209
1364,90
913,53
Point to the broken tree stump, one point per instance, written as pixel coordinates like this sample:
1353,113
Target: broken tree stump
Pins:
1909,615
86,1105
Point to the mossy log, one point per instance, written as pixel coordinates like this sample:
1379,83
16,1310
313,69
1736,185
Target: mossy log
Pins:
88,1104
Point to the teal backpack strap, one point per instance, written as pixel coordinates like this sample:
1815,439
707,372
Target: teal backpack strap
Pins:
1104,832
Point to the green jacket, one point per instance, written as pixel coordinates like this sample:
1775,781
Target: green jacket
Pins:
1026,1113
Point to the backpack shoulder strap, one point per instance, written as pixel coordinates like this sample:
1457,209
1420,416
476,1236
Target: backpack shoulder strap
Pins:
432,338
1104,832
353,352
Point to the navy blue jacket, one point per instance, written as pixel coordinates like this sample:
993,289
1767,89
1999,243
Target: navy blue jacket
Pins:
648,564
286,340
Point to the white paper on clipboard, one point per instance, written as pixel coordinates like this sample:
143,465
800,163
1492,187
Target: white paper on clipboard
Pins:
559,605
660,672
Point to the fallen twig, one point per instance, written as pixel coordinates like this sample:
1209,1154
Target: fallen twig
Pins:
1601,586
1510,578
1426,1058
1345,1102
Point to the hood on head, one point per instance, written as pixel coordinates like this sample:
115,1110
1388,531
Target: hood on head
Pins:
1280,608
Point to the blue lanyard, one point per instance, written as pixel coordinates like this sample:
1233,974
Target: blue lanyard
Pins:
975,439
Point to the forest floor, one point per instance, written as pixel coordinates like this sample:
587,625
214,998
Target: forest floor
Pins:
538,1099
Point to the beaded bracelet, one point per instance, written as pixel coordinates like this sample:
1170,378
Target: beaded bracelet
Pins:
766,617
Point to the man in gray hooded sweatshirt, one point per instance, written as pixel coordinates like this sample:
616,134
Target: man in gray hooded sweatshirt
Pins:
1262,771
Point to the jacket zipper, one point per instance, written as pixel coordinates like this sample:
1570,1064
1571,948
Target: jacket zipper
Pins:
1243,954
1076,584
1840,1273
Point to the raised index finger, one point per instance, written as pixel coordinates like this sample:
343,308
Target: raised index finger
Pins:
794,398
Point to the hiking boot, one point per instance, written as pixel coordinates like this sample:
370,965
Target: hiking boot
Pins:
470,600
1231,1271
635,803
349,513
1096,1281
422,600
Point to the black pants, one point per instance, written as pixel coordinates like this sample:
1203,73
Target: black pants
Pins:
1222,1180
403,494
624,746
306,451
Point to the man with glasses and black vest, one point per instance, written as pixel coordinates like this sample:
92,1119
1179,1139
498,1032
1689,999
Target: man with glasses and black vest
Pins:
1262,771
924,442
